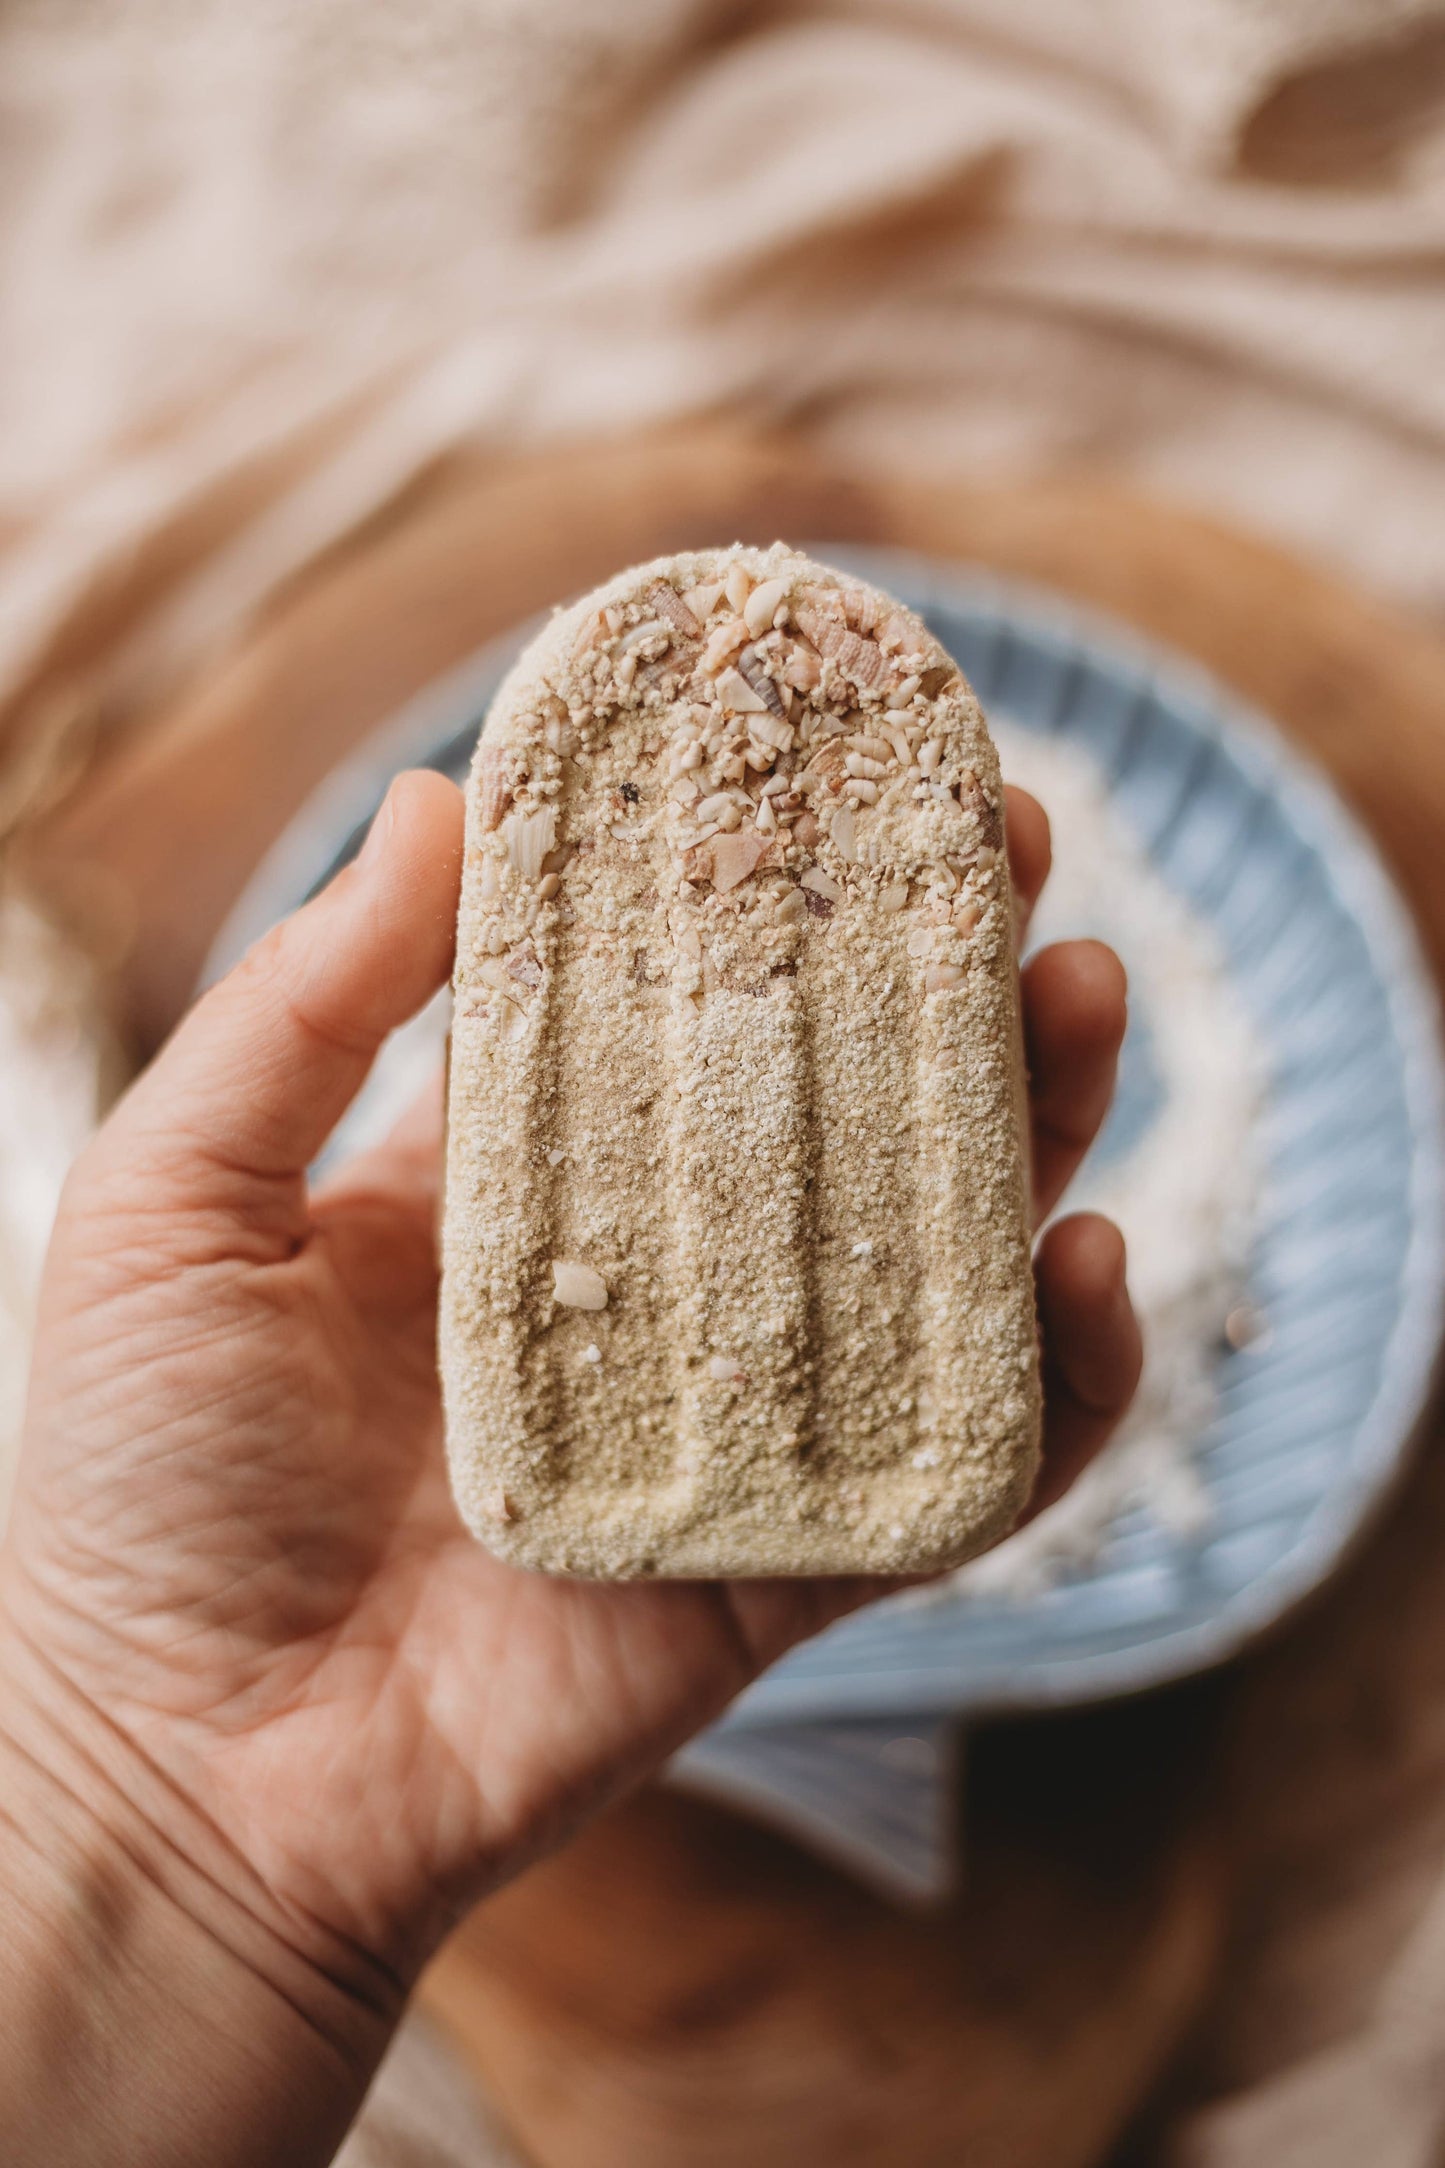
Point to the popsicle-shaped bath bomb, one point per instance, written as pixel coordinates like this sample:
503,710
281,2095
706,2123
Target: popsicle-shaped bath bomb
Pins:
736,1249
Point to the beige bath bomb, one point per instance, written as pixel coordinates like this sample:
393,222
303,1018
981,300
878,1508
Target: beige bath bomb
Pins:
736,1250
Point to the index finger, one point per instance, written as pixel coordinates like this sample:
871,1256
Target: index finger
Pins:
1030,851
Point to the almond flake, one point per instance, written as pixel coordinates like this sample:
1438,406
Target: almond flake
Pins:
822,884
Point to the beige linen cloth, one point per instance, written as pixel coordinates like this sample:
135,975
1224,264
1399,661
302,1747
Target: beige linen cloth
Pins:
259,264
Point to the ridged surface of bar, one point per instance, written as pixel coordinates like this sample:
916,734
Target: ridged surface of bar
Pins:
736,1047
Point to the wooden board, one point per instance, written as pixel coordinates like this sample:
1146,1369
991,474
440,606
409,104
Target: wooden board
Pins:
679,1987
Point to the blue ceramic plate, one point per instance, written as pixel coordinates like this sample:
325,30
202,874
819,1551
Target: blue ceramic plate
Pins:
1313,1422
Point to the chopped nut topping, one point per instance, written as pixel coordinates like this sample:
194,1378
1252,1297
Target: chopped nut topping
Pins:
822,884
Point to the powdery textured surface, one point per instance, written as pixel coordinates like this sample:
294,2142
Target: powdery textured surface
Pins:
761,1079
1187,1191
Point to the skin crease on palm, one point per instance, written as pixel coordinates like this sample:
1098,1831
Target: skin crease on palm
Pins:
235,1593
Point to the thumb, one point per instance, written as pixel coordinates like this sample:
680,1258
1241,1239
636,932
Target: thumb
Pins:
257,1075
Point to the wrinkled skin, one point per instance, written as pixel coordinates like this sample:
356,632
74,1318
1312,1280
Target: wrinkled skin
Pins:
235,1579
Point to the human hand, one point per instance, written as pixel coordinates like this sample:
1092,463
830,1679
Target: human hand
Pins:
236,1602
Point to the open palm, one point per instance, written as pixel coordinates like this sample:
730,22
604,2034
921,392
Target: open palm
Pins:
233,1533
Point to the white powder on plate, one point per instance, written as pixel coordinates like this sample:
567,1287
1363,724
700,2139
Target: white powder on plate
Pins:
1185,1192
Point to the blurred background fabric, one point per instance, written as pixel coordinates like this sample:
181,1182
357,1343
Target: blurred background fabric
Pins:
264,267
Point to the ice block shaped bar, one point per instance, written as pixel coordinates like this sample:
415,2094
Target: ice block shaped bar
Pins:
736,1250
